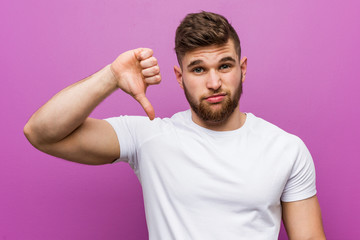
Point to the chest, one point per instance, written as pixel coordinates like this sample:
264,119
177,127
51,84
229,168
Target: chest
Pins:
227,172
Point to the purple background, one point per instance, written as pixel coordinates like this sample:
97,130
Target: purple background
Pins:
303,75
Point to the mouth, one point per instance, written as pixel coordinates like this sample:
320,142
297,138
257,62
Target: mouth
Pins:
215,98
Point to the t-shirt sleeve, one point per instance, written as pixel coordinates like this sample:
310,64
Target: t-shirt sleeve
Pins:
301,183
125,133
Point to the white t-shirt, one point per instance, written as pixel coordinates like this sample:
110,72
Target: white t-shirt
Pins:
204,184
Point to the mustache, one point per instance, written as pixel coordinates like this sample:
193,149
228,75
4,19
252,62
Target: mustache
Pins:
217,92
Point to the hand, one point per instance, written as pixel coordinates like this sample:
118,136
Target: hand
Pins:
134,71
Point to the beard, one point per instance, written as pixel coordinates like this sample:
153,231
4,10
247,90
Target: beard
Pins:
216,116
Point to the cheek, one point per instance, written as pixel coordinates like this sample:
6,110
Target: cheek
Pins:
234,78
192,84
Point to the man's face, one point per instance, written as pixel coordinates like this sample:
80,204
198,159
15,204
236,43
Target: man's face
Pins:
212,81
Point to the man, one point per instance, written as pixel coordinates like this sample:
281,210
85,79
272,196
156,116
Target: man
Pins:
211,172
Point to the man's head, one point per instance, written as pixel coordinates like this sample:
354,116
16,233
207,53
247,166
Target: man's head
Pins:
211,72
201,30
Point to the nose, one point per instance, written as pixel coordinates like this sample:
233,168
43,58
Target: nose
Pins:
213,81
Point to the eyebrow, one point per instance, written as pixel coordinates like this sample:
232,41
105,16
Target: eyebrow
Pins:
198,61
193,63
227,59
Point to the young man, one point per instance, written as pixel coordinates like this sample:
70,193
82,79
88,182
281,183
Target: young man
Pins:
211,172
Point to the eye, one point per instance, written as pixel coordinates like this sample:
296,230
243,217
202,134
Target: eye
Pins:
224,66
198,70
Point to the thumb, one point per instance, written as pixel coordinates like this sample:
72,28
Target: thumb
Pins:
146,105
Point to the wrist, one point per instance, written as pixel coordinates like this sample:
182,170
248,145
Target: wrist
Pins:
110,77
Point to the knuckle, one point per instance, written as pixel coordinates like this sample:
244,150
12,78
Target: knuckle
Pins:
157,78
151,71
154,61
156,69
153,80
143,64
147,53
144,72
148,63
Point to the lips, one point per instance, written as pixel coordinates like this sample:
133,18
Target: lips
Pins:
216,98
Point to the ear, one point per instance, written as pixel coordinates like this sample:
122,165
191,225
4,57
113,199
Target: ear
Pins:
243,66
178,75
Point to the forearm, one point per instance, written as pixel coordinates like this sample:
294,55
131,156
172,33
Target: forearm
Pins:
68,109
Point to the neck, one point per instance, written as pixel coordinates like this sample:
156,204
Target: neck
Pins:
234,121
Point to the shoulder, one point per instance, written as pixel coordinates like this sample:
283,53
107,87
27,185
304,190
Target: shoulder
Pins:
267,131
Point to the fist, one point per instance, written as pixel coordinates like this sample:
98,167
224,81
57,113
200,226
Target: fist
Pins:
134,71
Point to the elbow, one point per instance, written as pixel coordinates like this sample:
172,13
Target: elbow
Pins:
28,132
31,135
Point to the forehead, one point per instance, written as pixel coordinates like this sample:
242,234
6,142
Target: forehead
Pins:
210,54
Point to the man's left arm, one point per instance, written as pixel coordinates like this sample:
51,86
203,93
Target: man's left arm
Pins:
302,219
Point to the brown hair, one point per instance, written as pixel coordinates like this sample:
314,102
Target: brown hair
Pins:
201,30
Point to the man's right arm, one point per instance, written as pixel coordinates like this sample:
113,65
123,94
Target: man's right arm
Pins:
62,127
